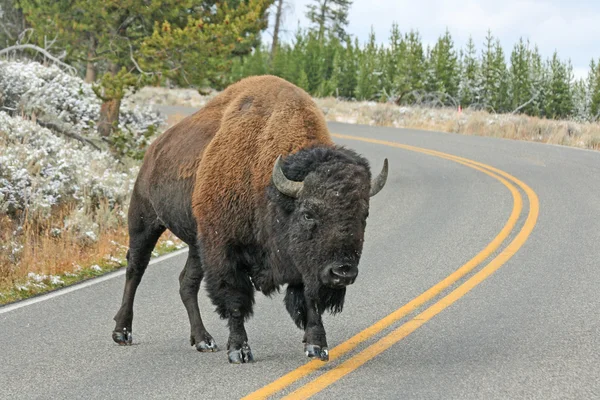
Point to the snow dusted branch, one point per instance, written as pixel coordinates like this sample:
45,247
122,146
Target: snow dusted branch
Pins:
54,127
40,50
516,110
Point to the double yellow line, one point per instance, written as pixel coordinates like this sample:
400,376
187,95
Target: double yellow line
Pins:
351,364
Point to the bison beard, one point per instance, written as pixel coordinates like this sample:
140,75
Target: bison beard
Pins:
251,222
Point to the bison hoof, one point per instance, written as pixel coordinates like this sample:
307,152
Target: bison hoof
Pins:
122,337
315,351
205,346
241,356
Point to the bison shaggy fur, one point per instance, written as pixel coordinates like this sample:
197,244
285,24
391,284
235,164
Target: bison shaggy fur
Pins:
252,220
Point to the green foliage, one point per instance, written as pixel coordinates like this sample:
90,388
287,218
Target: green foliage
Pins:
367,82
521,88
214,43
140,42
559,102
594,90
443,67
470,78
329,17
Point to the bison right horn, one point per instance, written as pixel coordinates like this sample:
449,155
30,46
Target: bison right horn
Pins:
282,183
378,183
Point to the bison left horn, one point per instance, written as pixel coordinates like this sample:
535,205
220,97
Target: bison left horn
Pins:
378,183
283,184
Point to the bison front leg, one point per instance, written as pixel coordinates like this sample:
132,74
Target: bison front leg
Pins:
231,291
306,314
315,340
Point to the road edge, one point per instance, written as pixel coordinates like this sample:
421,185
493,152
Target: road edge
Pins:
81,285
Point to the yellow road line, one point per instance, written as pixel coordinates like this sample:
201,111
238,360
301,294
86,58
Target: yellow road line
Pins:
406,329
418,301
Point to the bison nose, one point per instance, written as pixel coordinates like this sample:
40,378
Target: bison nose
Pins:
345,271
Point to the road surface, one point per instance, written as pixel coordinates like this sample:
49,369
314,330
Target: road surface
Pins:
519,319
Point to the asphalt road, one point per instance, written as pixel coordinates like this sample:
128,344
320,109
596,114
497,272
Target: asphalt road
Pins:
530,330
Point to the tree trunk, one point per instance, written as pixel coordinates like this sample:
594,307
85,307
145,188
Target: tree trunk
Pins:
109,116
276,29
109,110
90,72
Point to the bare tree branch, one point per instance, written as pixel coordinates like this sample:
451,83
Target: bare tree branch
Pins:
516,110
40,50
59,129
137,66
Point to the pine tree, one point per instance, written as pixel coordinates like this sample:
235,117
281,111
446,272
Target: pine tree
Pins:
540,81
313,62
580,105
594,90
488,77
559,104
414,78
348,67
500,77
295,62
443,67
392,60
329,16
469,88
188,41
367,86
520,78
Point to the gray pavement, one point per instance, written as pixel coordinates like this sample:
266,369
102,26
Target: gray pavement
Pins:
531,330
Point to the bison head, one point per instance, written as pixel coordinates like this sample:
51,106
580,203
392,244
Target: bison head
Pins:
320,198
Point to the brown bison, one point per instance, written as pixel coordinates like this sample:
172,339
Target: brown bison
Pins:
252,219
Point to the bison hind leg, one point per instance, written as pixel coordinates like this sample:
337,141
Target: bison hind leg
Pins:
143,235
189,280
295,304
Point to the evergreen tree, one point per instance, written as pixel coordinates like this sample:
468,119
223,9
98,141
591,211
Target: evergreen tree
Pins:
296,59
443,66
540,81
414,77
500,77
367,86
520,78
594,90
331,48
392,60
347,71
188,41
313,62
580,105
488,76
329,16
469,90
559,103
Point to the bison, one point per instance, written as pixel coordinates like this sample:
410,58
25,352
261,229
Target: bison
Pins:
255,186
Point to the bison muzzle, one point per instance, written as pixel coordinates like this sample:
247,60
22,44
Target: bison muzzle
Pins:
255,186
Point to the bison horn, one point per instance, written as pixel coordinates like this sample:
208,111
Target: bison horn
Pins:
282,183
378,183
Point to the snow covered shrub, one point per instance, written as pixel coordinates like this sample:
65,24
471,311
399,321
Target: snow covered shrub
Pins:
53,96
40,171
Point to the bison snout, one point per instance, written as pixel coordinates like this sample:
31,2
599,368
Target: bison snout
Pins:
339,275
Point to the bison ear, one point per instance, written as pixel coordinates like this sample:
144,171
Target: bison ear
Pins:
282,183
378,183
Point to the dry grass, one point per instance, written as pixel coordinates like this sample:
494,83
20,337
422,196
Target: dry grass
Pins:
469,122
47,254
518,127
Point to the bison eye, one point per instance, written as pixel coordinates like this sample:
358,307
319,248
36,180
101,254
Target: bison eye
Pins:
308,217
